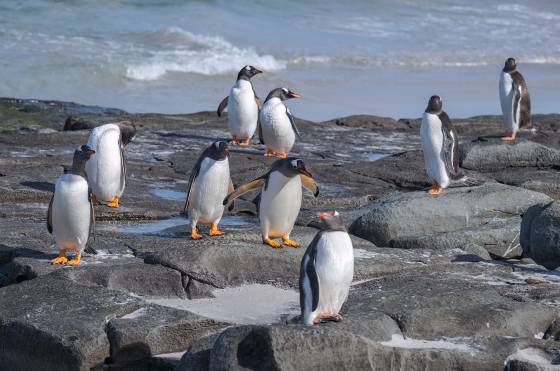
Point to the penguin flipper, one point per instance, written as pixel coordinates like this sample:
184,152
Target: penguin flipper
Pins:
258,101
293,122
450,148
309,271
222,106
122,181
230,190
521,100
194,174
49,216
244,189
310,184
259,127
88,248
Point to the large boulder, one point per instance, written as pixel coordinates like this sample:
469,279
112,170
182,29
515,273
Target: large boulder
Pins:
52,324
492,155
415,215
541,234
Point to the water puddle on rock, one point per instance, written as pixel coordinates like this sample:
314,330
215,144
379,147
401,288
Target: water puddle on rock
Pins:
166,227
247,304
168,194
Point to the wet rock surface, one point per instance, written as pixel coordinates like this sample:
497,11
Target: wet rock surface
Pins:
454,282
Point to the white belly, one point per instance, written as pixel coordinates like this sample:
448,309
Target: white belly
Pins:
280,205
506,101
71,212
277,130
242,110
334,265
432,145
103,169
208,192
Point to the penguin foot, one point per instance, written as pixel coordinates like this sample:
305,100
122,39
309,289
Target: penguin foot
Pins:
214,231
336,318
435,190
509,138
272,243
283,155
195,235
289,242
114,203
245,142
60,259
75,260
269,153
233,140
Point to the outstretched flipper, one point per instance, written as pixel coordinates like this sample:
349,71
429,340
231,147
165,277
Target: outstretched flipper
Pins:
293,122
49,216
310,184
308,268
244,189
222,106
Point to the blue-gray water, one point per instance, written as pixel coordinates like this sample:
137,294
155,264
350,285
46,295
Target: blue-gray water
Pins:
351,57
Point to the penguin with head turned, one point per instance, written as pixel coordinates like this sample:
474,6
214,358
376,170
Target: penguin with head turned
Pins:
514,99
243,107
326,272
440,145
277,129
70,215
280,202
209,184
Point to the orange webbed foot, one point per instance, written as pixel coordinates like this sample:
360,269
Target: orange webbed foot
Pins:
435,190
288,242
245,142
214,231
283,155
269,153
233,140
194,234
61,258
509,138
75,260
272,243
114,203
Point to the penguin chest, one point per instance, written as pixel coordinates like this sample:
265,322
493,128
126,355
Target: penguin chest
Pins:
506,98
242,110
432,145
334,264
104,168
71,212
278,133
280,204
209,190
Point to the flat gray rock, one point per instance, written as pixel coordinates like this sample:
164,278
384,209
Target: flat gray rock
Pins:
541,235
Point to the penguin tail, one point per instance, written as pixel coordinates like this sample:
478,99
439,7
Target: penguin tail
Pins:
90,250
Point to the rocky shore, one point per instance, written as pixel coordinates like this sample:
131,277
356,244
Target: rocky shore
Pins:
467,280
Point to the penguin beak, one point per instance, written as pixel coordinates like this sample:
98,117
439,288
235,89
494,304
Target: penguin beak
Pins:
291,94
256,71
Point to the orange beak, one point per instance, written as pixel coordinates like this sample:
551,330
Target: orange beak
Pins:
291,94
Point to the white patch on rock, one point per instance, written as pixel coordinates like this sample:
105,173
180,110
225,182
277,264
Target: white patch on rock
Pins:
136,314
531,355
398,341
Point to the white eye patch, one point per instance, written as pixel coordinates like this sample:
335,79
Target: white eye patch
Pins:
294,163
285,90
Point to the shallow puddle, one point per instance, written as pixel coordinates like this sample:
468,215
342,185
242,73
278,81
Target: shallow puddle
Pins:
168,194
248,304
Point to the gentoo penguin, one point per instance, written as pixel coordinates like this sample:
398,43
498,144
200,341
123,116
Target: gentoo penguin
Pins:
106,171
514,99
277,129
243,107
209,184
280,198
326,272
440,145
70,216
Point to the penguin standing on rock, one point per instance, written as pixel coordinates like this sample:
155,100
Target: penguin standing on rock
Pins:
209,184
514,99
326,272
70,216
243,107
440,145
280,201
107,170
278,128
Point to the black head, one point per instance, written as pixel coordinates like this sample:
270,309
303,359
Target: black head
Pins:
247,72
217,151
510,65
128,132
81,155
282,93
291,167
331,222
435,104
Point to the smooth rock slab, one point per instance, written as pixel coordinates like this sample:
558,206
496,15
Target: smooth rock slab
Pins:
418,214
53,324
154,329
541,234
496,154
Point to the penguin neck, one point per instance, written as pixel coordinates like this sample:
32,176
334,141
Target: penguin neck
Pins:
77,169
437,113
273,100
242,76
509,71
